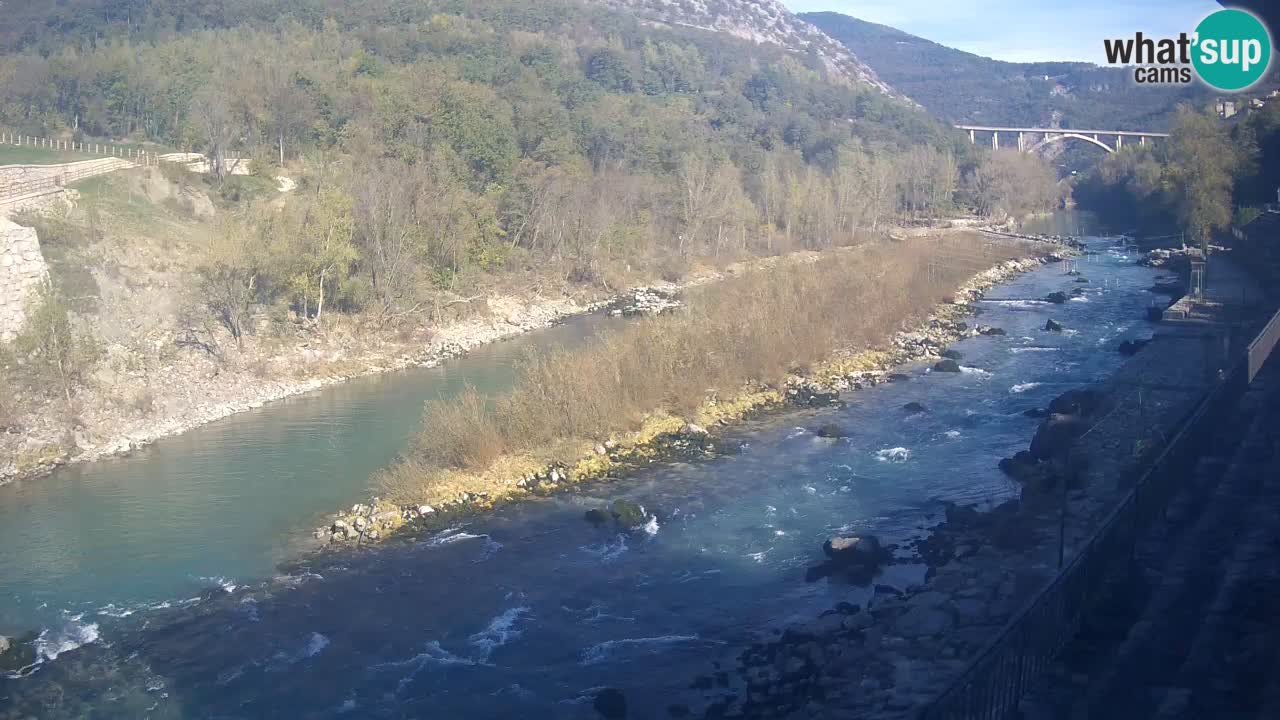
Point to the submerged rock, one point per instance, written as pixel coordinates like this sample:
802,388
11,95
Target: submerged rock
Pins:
1053,326
1082,280
1155,313
831,431
951,354
1037,413
985,330
1129,348
597,517
914,408
947,366
610,703
1057,298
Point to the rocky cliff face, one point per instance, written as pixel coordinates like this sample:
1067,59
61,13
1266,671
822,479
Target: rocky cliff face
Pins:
22,269
760,21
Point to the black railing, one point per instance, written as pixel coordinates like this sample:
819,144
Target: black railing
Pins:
994,682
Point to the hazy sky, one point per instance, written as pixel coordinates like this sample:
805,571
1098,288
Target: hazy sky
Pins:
1024,30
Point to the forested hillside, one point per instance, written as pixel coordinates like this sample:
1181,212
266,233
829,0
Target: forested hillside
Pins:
964,88
441,137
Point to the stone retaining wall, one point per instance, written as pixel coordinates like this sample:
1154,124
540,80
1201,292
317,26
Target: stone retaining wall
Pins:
22,270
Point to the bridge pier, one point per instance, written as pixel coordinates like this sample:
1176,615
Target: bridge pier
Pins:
1022,145
995,141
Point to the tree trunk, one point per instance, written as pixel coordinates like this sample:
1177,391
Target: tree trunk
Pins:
320,304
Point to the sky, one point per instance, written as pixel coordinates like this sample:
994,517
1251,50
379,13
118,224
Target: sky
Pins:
1024,30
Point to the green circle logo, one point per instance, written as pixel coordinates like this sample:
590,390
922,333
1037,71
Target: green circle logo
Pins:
1232,50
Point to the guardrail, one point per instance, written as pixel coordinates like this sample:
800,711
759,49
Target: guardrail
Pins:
56,177
1261,347
994,682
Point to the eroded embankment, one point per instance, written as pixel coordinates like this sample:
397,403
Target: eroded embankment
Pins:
424,497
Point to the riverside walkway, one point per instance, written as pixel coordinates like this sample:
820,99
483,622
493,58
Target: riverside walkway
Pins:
1191,631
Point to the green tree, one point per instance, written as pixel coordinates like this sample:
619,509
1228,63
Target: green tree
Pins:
58,358
1202,165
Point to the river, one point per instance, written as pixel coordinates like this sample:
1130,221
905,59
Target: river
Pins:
526,612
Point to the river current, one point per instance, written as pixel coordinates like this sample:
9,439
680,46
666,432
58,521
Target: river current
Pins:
177,611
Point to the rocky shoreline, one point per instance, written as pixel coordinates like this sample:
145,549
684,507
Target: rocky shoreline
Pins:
891,657
664,438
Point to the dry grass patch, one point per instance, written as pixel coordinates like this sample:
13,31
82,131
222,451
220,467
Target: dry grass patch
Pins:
752,329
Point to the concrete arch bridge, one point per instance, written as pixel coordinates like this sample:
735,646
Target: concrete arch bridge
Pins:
1027,136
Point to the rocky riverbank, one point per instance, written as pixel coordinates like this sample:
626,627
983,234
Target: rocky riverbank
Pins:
177,383
890,656
665,437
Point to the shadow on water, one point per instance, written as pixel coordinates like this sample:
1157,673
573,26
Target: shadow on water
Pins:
523,613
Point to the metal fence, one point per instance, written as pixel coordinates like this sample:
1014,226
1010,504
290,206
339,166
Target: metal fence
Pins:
992,685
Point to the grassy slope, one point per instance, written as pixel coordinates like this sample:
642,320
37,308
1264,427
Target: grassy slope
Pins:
31,155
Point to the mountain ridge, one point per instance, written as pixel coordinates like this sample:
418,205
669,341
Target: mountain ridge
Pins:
962,87
760,21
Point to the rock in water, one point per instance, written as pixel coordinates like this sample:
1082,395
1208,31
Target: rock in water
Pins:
831,431
1129,348
1037,413
610,703
947,366
1057,298
855,549
629,515
1055,436
1082,280
951,354
991,331
914,408
1082,402
1155,313
16,654
1053,326
597,517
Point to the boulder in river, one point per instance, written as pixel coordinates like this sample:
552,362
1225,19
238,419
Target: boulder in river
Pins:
1057,298
597,517
860,557
831,431
17,653
1055,436
985,330
1053,326
1082,280
1084,402
611,704
914,408
951,354
947,366
629,515
1129,348
897,377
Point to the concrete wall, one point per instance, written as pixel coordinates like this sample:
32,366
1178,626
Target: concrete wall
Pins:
22,270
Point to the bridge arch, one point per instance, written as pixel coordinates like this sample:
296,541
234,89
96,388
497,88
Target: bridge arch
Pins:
1074,136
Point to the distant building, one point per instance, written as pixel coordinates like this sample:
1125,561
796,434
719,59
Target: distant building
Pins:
1226,108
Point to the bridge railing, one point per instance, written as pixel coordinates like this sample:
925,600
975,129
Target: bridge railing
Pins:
996,679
